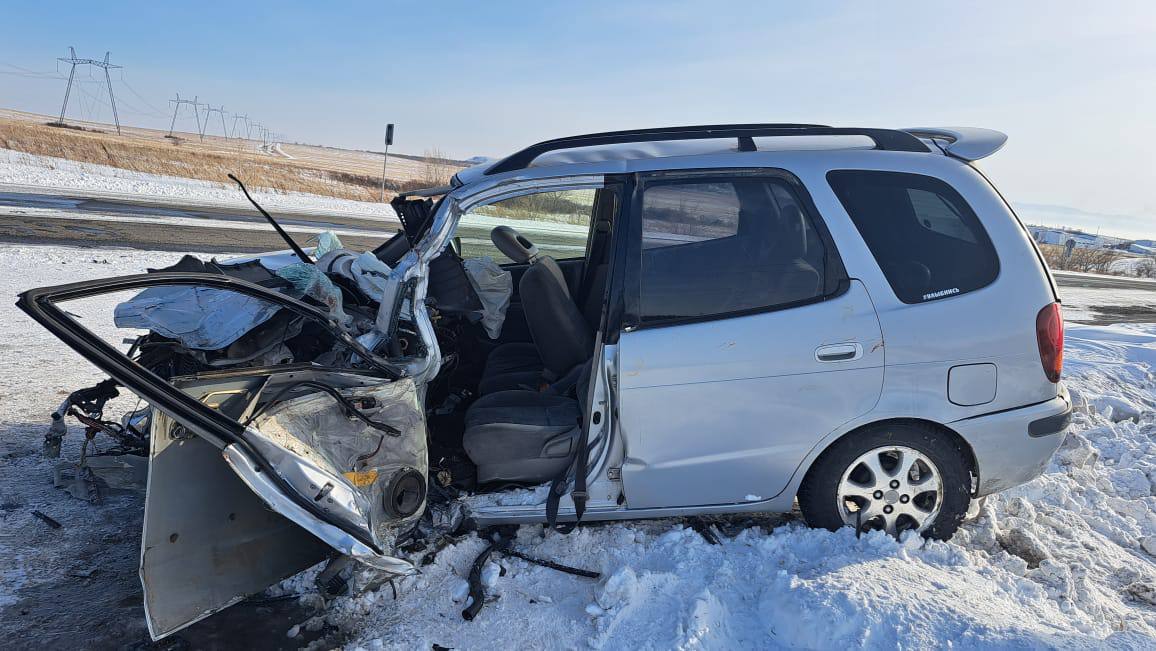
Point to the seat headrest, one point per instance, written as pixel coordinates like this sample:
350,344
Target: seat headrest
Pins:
794,232
513,244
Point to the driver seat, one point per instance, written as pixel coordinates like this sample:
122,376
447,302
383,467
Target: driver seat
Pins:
527,437
561,335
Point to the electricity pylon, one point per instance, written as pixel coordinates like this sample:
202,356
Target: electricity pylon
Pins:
177,107
72,73
209,110
237,118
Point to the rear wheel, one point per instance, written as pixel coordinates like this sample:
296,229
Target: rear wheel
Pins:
893,478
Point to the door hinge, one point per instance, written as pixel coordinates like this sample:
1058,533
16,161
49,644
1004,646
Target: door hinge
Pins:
614,474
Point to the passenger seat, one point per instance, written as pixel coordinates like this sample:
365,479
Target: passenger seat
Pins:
562,337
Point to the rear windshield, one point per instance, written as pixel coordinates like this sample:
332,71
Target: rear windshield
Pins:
927,240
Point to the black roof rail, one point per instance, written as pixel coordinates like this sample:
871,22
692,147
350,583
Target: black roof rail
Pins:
885,139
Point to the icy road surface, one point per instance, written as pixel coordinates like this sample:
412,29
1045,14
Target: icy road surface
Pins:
1065,561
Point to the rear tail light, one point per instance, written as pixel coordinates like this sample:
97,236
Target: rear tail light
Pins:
1050,336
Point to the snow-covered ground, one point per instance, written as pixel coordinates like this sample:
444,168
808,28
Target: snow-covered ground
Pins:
47,174
1144,267
1066,560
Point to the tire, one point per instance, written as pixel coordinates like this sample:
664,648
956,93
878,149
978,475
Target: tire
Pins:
841,489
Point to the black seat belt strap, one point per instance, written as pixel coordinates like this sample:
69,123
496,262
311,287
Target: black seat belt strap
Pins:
578,495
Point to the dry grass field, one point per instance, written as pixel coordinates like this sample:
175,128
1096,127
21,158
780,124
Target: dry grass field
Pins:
1082,259
327,171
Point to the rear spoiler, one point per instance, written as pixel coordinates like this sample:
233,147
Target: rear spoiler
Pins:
965,143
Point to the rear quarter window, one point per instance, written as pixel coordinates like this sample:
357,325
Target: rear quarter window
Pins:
927,240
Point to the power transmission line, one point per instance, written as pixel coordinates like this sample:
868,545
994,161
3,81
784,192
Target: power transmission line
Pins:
90,109
108,80
123,106
132,90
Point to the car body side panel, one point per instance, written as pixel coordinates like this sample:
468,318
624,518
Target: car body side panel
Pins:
1005,449
994,324
724,411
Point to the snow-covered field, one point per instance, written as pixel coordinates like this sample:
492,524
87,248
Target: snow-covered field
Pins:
46,174
1065,561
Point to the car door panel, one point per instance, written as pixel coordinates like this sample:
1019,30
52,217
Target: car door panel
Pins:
724,411
743,341
208,541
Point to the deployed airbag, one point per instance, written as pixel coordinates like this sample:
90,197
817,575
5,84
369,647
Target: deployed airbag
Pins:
494,287
201,318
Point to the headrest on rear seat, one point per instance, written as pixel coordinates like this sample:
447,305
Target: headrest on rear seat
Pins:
793,233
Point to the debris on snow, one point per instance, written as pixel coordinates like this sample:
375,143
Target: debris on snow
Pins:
46,519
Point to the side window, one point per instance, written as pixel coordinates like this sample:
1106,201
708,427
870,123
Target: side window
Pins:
927,240
713,248
694,212
558,223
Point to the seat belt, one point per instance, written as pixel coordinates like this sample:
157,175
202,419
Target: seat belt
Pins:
578,495
581,460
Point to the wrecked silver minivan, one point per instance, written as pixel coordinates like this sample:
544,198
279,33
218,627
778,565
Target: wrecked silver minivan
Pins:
685,321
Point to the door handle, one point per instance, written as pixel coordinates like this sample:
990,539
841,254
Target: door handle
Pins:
839,352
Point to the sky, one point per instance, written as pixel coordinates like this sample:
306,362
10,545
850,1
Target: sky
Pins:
1072,83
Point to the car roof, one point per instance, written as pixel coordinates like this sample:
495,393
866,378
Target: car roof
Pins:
713,145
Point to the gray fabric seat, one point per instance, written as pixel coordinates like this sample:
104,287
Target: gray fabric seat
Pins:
511,366
562,336
529,436
521,436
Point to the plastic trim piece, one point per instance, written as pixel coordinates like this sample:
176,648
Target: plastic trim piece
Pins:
1051,424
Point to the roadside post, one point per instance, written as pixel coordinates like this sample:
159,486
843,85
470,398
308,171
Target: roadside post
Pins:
385,159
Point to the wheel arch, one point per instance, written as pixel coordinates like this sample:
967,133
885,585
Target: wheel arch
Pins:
960,442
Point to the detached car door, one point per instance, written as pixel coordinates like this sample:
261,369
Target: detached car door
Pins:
255,470
744,340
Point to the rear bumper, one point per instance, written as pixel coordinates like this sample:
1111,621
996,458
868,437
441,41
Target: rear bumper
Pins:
1014,446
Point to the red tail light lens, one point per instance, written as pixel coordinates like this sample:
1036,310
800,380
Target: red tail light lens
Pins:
1050,336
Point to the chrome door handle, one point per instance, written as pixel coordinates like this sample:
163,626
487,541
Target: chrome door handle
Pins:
839,352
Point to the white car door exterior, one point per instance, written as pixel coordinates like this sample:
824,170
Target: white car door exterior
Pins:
745,343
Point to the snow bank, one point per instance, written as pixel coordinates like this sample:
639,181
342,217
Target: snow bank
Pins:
46,174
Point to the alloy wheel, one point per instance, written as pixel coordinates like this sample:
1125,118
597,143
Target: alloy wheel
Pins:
892,488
